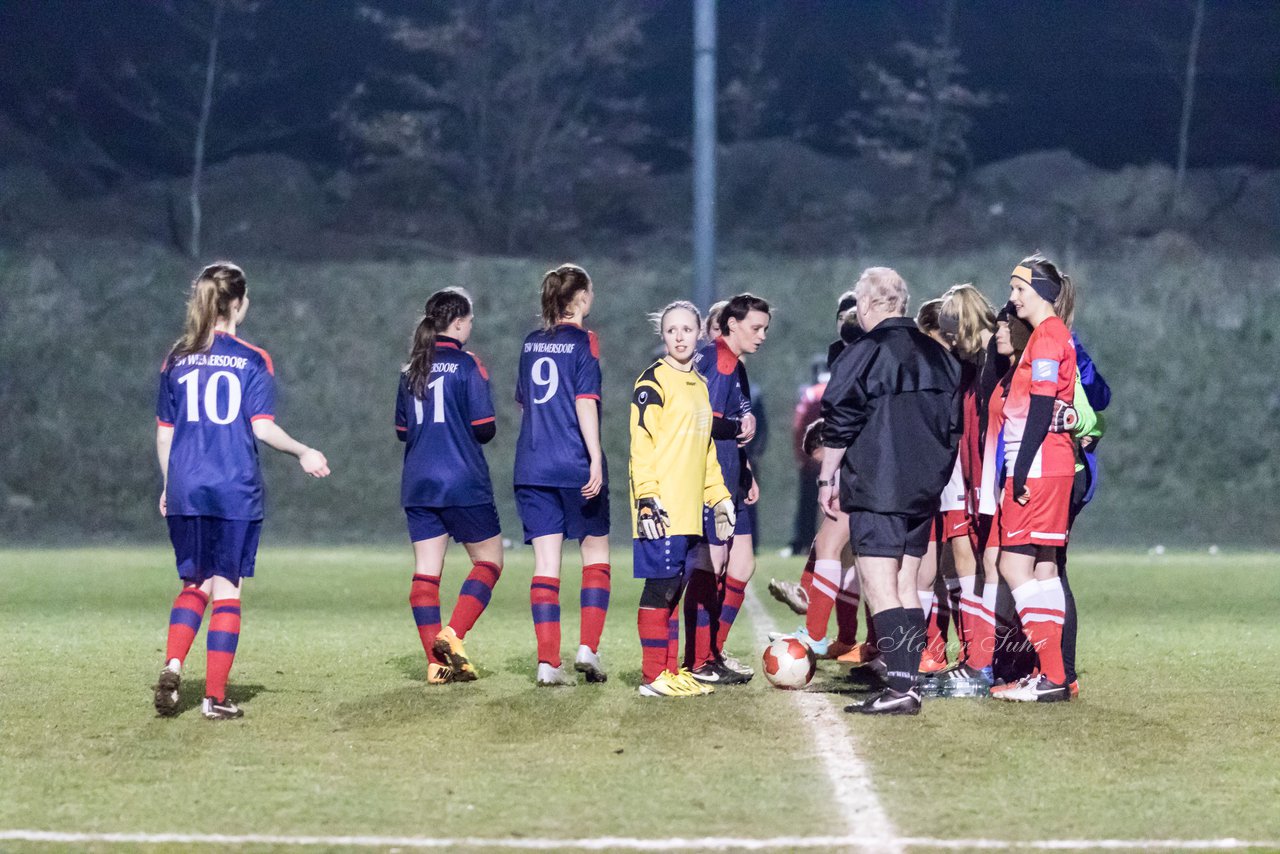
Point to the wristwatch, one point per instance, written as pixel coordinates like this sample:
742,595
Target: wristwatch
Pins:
822,482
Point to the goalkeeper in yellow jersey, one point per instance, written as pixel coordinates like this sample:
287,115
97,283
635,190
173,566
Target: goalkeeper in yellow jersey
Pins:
674,473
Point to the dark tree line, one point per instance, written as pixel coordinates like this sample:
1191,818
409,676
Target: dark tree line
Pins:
511,105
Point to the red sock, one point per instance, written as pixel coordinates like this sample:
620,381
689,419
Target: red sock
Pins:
474,596
847,605
673,640
822,597
594,602
1042,624
652,623
424,598
806,576
701,605
223,637
935,637
544,599
734,592
184,622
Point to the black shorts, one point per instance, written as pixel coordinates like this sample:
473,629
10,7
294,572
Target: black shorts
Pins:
892,535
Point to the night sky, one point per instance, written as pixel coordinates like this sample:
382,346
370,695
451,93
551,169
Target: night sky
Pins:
1102,79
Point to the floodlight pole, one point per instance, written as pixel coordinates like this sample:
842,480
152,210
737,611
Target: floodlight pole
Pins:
704,153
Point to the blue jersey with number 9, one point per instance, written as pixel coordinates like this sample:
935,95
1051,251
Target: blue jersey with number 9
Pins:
211,400
558,367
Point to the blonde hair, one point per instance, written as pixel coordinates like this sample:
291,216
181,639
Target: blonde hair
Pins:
712,324
212,294
657,317
967,311
883,288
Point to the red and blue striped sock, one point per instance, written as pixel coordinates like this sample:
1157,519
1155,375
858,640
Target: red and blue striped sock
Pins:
701,605
184,622
673,639
544,600
474,597
734,592
223,637
594,602
424,598
652,623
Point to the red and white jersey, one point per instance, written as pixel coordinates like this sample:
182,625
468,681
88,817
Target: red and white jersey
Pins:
953,497
1047,367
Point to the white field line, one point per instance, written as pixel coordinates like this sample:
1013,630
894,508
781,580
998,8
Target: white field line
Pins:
850,791
623,843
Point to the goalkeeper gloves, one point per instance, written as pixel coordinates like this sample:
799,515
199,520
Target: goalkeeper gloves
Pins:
1065,418
651,519
725,519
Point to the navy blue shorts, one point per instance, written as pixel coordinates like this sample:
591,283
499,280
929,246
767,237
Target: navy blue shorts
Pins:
742,523
664,558
892,535
473,524
205,546
562,510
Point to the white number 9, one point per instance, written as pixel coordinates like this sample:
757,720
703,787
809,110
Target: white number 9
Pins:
546,374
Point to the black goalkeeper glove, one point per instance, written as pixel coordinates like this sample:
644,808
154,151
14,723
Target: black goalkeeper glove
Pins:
651,519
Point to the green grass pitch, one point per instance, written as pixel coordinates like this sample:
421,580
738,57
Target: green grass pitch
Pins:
1174,736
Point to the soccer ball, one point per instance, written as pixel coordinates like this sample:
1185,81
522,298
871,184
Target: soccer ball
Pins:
789,664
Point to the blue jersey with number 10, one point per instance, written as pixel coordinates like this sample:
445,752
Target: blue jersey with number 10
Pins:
444,465
558,367
211,400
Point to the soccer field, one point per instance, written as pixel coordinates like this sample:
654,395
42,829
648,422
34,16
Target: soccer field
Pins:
1174,736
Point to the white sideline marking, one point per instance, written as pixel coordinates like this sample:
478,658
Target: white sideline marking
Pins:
851,790
604,843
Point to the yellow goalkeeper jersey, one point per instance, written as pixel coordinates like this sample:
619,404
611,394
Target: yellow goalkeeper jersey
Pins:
672,456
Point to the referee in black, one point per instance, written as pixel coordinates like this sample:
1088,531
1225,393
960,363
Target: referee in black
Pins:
892,425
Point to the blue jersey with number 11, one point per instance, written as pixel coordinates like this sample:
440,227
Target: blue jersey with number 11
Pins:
211,400
444,465
558,367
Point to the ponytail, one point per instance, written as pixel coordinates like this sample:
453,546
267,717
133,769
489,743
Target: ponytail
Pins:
212,294
559,288
442,309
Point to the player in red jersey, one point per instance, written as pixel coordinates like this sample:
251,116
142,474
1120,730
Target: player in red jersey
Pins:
444,414
1040,468
216,397
561,478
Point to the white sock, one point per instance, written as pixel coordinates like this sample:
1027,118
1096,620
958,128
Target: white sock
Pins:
826,577
1025,595
967,585
926,602
1052,595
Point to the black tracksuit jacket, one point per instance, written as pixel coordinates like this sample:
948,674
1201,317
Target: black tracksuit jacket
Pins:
893,401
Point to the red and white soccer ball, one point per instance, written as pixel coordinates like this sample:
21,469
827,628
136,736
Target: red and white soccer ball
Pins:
789,664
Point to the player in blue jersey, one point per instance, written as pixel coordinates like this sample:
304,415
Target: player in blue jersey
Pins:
444,413
716,593
217,395
561,479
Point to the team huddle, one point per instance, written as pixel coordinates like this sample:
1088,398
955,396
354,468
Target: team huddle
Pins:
961,434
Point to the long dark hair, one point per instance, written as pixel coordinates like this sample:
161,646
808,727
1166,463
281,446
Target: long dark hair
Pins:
212,293
442,309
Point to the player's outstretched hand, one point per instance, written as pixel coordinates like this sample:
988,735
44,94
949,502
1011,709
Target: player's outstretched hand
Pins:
314,463
725,518
595,481
1024,496
651,519
747,429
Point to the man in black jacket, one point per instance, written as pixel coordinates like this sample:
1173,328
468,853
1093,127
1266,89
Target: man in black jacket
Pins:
893,421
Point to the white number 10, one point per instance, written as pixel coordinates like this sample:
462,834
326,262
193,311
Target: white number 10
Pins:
191,382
